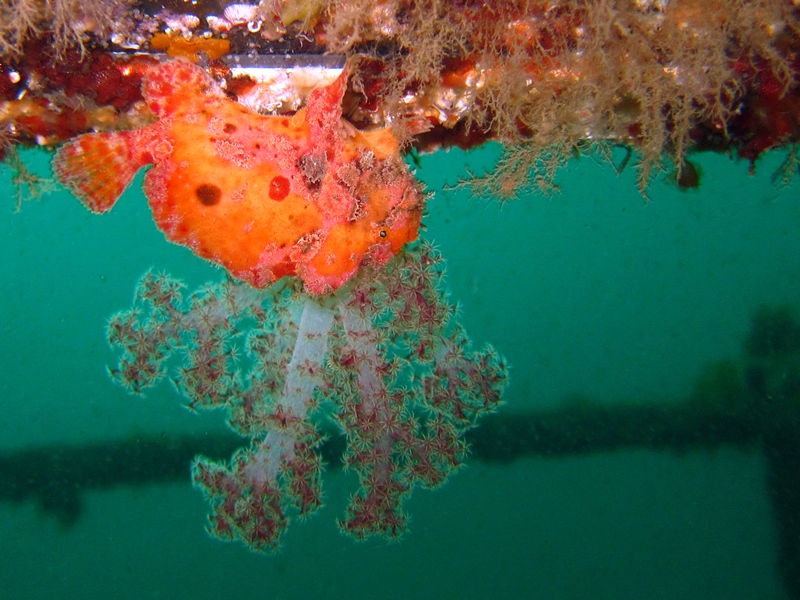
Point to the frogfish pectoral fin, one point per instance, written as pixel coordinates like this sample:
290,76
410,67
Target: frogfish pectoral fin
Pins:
97,167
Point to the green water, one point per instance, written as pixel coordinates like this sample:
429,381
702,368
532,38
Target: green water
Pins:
591,292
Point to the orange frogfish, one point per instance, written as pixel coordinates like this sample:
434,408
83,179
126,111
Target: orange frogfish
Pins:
264,196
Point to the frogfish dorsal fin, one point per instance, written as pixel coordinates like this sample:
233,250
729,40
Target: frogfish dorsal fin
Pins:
167,86
324,110
97,167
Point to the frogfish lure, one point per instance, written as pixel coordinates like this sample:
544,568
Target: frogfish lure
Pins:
264,196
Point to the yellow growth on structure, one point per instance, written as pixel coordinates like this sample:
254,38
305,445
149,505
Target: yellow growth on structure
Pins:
547,77
176,45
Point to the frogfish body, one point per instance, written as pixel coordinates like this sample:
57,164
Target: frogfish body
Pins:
264,196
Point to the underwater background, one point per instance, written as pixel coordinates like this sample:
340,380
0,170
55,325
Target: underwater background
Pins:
594,295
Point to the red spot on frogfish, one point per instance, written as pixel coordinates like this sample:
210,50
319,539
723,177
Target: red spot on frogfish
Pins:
278,188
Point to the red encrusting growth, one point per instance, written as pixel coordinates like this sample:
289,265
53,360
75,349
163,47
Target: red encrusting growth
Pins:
46,101
770,112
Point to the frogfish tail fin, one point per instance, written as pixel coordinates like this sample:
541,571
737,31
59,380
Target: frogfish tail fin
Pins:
97,167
